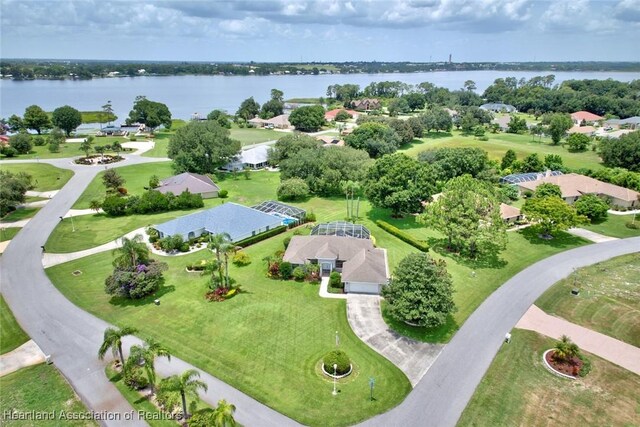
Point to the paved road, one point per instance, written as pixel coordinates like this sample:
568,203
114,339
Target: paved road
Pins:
445,390
72,336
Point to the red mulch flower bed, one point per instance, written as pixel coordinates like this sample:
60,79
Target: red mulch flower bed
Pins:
568,367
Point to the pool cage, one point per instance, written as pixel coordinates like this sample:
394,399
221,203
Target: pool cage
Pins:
341,228
280,209
527,177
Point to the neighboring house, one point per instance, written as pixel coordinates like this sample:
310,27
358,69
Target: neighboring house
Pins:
253,158
580,117
498,107
631,123
240,222
192,182
586,130
330,141
111,131
517,178
366,104
256,122
278,122
364,268
510,214
574,186
331,115
4,140
502,121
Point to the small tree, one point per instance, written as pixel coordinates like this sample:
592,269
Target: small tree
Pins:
307,119
342,116
420,292
21,142
113,340
548,190
36,118
551,214
559,124
565,349
117,148
335,280
95,205
66,118
154,181
293,189
112,180
147,354
508,159
86,146
592,206
185,384
578,142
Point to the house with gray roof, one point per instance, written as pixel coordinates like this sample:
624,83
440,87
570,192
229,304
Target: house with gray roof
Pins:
253,158
498,107
240,222
364,268
191,182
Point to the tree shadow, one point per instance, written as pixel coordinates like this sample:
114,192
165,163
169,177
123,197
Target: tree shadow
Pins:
440,334
407,222
489,261
148,300
436,135
560,240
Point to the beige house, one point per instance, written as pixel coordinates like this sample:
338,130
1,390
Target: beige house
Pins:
364,268
574,186
278,122
510,214
192,182
366,104
330,141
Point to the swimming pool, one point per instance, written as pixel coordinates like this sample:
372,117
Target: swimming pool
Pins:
286,220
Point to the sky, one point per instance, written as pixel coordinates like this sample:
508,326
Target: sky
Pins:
322,30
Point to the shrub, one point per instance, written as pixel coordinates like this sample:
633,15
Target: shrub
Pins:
335,280
274,269
198,266
114,206
135,282
8,151
633,225
262,236
310,217
418,244
21,142
299,273
286,241
135,379
184,247
133,139
39,141
313,272
122,191
339,358
223,194
592,206
286,270
241,258
293,189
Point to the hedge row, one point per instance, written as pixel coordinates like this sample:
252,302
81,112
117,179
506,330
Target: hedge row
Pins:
262,236
418,244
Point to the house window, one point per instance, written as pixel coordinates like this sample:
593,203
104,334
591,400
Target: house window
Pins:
339,264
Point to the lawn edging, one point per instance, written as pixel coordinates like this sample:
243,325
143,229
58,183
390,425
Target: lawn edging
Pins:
550,368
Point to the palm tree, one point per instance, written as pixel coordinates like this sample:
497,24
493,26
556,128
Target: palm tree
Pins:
113,340
147,354
227,249
86,146
565,349
95,205
132,252
223,414
215,243
186,384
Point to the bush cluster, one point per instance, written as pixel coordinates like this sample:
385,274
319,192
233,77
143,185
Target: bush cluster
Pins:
136,282
339,358
151,201
241,258
418,244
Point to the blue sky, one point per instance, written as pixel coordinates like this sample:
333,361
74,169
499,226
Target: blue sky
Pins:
323,30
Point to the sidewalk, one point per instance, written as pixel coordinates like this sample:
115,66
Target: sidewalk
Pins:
611,349
590,235
324,293
26,355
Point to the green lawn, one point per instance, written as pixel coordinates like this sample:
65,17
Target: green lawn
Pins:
498,144
40,389
11,334
614,226
518,391
69,149
8,233
609,299
45,176
159,149
19,214
266,341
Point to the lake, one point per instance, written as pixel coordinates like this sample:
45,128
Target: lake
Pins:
185,95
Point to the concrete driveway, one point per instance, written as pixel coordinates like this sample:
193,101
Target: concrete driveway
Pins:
414,358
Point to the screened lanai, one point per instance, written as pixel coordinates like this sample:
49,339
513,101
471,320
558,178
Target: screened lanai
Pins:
341,228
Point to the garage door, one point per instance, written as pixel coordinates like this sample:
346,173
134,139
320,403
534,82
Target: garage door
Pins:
362,288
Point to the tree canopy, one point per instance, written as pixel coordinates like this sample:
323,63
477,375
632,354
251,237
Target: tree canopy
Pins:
551,214
420,291
377,139
578,142
202,147
36,118
66,118
623,152
468,214
248,109
559,124
13,188
450,162
592,206
308,118
151,113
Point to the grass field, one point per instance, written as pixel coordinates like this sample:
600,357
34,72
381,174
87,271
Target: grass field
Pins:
609,299
45,177
19,214
69,149
8,233
11,334
614,226
267,341
498,144
518,391
40,389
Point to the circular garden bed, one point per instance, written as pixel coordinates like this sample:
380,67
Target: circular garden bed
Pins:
569,368
98,160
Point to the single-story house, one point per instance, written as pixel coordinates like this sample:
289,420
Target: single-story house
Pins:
586,130
517,178
499,107
256,122
278,122
192,182
366,104
253,158
364,268
510,214
111,131
330,141
574,186
240,222
628,123
331,114
580,117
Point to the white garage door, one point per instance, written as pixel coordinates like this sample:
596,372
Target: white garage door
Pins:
362,288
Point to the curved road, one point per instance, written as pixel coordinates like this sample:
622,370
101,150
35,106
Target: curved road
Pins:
72,336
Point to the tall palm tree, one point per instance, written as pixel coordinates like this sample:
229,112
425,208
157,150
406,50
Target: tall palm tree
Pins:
227,249
185,384
132,252
113,340
223,414
215,243
147,354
